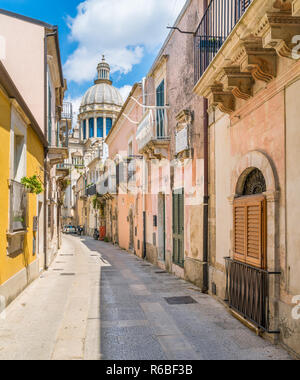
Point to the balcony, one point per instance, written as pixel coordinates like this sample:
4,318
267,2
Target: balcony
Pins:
67,111
57,155
216,25
106,187
18,207
152,134
257,37
91,190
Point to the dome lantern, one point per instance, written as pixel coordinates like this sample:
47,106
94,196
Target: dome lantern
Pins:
103,69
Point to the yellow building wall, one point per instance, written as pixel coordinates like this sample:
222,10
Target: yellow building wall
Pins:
9,265
35,163
5,263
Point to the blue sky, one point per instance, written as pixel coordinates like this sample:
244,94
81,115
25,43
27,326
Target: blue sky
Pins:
129,32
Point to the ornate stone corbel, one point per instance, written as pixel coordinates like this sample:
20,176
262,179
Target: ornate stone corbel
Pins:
239,83
277,30
260,62
224,100
283,5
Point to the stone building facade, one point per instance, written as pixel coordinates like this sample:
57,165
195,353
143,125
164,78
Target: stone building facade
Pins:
252,86
32,91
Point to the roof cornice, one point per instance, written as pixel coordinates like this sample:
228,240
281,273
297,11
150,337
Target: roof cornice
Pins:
27,19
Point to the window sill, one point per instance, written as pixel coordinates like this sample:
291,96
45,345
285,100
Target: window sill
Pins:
17,233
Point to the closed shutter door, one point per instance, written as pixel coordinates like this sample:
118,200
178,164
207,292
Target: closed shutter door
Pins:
250,230
178,227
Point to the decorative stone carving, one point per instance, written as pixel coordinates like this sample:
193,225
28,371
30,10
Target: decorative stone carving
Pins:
260,62
224,100
283,5
239,83
277,30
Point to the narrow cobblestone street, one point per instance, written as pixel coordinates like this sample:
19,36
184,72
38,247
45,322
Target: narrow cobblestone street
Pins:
98,302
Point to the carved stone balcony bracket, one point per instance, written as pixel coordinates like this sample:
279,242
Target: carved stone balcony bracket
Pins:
157,149
224,100
239,83
283,5
260,62
277,31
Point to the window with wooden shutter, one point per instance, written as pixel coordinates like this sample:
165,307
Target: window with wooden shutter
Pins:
178,227
249,214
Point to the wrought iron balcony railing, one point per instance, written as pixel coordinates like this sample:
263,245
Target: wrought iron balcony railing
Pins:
67,111
18,207
218,21
153,128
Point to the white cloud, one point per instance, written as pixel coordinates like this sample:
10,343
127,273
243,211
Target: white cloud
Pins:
76,105
120,29
125,91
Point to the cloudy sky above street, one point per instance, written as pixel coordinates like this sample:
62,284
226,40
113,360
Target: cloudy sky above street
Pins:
129,33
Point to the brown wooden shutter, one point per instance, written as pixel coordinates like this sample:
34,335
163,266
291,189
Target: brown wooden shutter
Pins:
250,230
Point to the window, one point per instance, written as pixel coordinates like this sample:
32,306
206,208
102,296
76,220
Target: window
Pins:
108,125
178,227
100,127
160,113
18,195
249,224
91,128
255,183
84,129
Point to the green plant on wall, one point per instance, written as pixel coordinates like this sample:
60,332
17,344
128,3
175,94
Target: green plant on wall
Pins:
96,203
33,184
65,184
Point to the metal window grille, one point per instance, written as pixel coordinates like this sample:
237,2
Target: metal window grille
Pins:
18,207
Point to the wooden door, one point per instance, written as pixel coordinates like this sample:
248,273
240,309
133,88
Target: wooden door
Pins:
249,214
178,227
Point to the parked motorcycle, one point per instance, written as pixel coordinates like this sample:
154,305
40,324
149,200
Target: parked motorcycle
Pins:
96,234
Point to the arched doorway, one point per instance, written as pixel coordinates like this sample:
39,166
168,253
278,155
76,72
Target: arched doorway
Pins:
252,268
250,219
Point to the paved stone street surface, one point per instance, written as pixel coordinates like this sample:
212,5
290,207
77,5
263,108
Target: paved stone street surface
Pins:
99,302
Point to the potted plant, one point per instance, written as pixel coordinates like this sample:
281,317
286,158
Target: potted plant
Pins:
32,184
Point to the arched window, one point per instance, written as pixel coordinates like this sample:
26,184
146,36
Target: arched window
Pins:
108,125
254,183
84,129
91,127
100,127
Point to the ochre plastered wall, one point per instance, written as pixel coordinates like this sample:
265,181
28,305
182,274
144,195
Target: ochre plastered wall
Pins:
10,265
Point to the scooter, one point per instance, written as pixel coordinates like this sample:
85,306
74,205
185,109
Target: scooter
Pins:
96,234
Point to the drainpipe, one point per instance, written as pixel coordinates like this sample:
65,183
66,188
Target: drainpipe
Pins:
205,199
206,193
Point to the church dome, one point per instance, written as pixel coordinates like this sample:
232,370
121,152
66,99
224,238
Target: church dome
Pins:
102,92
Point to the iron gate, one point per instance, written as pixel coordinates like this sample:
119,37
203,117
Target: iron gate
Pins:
247,292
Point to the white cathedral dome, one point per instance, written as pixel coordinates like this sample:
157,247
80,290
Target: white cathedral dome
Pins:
102,92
